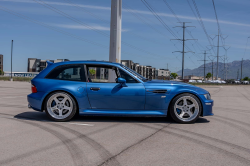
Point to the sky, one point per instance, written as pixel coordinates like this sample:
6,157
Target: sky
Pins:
79,30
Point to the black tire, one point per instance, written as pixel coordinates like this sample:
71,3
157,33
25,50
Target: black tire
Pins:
172,111
70,116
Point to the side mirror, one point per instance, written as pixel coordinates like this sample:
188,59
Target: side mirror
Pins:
122,81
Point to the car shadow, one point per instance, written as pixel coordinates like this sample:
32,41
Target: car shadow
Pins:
41,116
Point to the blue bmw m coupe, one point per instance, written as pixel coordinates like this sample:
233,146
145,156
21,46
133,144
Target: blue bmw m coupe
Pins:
65,89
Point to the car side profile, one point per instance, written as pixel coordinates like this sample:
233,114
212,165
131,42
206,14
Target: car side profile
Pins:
65,89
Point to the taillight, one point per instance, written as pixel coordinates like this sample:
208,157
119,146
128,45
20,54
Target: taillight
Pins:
33,88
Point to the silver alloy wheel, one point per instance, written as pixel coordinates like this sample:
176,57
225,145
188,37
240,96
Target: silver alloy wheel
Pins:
59,106
186,108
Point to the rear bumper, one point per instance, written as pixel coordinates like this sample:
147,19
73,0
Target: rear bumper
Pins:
35,101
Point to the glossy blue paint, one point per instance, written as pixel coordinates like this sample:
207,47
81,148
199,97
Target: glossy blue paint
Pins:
121,80
145,98
114,96
47,86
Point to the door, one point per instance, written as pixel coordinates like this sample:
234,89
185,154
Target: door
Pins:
108,94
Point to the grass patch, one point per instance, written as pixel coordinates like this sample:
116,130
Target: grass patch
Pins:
25,79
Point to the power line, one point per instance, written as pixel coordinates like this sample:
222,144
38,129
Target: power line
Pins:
175,15
216,16
50,27
142,19
199,19
160,19
59,30
205,54
246,47
183,48
212,60
105,21
88,26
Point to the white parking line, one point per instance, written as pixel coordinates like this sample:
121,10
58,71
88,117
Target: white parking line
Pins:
10,97
81,124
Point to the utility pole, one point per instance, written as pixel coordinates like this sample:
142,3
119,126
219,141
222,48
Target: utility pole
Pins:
205,53
241,69
225,58
212,60
217,69
224,70
11,79
212,70
183,45
218,46
238,74
115,34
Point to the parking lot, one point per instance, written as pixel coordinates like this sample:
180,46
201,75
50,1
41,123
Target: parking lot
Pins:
28,137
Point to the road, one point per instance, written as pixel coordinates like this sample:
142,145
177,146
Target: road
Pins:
28,137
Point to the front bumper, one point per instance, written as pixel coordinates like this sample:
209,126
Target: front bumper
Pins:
207,106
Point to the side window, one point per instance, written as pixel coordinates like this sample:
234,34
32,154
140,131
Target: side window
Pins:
127,77
68,72
101,73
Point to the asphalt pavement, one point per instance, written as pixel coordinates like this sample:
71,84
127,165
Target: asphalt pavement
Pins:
29,138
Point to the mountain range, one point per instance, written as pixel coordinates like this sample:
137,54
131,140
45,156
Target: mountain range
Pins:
232,69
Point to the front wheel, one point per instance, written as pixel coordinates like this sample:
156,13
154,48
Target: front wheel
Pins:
60,106
185,108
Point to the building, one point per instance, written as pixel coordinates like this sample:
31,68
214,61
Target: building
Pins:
21,74
37,65
192,77
150,72
163,74
146,71
1,62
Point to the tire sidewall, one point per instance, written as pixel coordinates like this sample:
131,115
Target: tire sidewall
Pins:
173,104
74,110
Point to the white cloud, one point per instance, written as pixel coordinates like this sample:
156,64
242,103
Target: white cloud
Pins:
61,4
138,11
72,26
68,26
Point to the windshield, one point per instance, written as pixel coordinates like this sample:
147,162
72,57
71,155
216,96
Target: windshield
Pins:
135,74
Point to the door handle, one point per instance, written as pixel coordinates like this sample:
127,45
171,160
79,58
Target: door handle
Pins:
95,89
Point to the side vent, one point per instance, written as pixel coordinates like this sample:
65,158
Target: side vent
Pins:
157,91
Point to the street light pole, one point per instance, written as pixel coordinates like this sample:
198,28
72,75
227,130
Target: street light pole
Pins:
11,79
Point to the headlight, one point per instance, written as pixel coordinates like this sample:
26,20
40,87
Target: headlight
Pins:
207,96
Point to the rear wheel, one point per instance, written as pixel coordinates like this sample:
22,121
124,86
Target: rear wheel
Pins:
185,108
60,106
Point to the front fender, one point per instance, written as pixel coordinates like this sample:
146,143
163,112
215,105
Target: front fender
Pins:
199,93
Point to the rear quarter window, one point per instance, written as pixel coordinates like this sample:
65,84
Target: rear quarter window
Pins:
72,72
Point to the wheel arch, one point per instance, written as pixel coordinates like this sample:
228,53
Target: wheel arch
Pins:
184,93
77,106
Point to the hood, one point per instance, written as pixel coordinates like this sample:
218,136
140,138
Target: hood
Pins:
169,82
173,86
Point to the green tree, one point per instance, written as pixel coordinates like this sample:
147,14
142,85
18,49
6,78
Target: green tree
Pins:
92,71
1,72
174,75
246,79
209,75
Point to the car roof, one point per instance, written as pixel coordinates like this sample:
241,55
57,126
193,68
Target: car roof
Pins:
89,62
